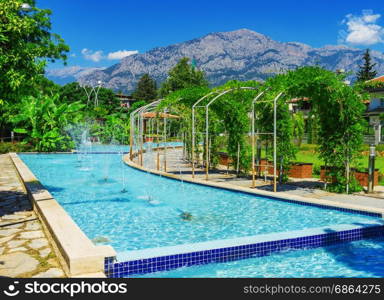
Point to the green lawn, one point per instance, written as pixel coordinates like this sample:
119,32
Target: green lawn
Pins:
310,156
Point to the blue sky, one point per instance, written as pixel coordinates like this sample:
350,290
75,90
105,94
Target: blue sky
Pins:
100,32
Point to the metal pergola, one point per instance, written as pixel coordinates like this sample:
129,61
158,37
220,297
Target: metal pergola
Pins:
206,107
137,131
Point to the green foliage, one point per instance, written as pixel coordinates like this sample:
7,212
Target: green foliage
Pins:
308,147
183,75
286,151
371,85
339,109
114,129
298,127
72,92
341,182
366,71
25,44
43,119
136,105
15,147
312,128
181,102
146,89
229,114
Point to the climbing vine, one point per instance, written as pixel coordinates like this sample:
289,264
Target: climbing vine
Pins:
339,110
336,118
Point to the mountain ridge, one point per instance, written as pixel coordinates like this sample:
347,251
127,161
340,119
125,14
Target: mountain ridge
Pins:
240,54
68,74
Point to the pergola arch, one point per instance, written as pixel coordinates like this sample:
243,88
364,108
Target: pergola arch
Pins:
139,114
338,107
218,95
137,128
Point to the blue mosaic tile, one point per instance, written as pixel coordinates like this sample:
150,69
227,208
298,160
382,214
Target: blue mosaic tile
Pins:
163,263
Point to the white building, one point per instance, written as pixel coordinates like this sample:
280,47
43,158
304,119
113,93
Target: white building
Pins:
375,110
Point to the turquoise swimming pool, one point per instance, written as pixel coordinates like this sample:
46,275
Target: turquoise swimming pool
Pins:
133,210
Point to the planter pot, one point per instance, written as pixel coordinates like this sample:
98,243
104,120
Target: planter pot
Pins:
270,171
328,178
301,170
263,163
149,139
224,159
361,177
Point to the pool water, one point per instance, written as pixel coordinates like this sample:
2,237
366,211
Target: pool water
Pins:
362,258
131,209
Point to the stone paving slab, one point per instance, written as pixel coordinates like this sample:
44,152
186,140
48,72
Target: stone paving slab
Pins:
24,249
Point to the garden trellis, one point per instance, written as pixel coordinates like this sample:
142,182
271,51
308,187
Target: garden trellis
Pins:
206,109
263,108
137,130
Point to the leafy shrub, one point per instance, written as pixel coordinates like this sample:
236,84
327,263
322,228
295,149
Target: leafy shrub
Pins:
316,169
15,147
308,147
379,148
340,185
42,120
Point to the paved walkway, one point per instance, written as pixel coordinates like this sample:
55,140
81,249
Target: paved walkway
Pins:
24,249
311,188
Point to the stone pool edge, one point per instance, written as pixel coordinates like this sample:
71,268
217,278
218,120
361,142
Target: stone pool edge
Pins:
78,255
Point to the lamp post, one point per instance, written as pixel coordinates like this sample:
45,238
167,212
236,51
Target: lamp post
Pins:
371,168
99,83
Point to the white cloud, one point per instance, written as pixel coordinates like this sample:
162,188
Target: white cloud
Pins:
362,29
121,54
98,55
95,56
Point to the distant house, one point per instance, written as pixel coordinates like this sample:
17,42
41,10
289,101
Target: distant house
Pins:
376,107
302,105
125,100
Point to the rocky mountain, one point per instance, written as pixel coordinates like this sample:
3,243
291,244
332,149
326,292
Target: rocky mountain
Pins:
68,74
242,54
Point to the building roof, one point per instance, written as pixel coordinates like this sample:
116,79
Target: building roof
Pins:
125,97
379,79
377,110
294,100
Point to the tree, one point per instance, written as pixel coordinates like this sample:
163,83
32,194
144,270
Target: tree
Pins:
339,109
136,105
26,44
366,71
146,89
183,75
72,92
